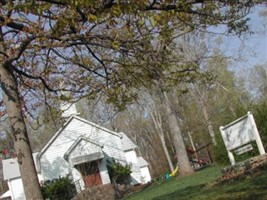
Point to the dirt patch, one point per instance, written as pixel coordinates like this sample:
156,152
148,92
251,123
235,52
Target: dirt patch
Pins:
136,188
104,192
108,192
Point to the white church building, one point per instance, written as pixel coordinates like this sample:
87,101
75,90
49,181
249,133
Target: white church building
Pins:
80,150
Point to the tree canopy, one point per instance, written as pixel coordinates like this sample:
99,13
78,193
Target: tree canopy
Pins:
87,47
98,46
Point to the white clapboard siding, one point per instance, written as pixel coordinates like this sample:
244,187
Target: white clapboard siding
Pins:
75,142
17,191
145,174
77,179
92,139
131,157
104,172
84,147
53,165
136,174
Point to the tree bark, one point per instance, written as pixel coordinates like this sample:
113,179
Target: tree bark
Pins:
207,119
185,167
201,101
21,141
209,123
158,124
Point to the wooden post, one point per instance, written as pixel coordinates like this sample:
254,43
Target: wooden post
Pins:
193,146
256,134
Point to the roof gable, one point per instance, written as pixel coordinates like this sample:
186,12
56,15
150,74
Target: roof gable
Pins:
67,123
77,142
142,162
127,143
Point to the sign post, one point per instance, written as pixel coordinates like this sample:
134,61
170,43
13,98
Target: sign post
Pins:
256,134
238,135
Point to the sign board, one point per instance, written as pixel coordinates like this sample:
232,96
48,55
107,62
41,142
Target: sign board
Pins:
243,149
239,133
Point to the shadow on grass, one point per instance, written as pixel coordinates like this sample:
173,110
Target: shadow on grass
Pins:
247,190
185,193
206,185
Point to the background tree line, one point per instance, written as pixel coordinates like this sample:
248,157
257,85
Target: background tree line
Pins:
113,51
202,105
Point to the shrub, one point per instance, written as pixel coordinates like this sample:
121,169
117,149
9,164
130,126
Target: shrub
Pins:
118,172
220,152
58,189
260,114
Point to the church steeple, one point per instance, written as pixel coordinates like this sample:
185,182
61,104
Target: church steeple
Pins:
67,108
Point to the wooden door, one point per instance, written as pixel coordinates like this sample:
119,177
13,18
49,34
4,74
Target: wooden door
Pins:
90,173
93,179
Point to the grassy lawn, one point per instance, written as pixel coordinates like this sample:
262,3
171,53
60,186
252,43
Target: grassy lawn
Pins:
201,186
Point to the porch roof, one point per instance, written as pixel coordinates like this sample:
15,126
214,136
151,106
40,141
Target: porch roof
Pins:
6,195
76,143
127,143
142,162
87,158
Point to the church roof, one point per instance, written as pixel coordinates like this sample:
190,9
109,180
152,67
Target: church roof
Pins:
81,138
127,143
70,121
142,162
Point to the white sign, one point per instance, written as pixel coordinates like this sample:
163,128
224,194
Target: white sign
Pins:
243,149
239,133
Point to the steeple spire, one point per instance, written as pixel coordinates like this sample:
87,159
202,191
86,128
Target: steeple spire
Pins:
67,108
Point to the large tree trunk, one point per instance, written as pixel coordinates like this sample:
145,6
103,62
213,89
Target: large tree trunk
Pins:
21,142
185,167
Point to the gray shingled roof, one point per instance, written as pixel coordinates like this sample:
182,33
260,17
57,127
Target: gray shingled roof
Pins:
142,162
11,167
127,143
67,123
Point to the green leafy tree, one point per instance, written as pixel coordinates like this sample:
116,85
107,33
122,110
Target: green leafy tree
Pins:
92,46
258,87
